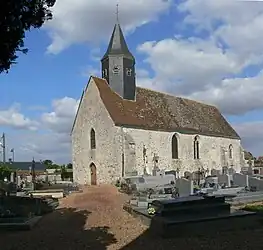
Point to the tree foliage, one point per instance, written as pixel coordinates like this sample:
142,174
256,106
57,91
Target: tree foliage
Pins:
48,163
51,165
5,171
17,17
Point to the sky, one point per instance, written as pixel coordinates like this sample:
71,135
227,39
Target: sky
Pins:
206,50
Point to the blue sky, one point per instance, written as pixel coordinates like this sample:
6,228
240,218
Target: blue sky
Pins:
216,54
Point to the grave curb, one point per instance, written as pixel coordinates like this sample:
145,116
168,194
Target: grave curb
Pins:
20,226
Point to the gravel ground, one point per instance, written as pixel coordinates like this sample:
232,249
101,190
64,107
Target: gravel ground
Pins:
95,220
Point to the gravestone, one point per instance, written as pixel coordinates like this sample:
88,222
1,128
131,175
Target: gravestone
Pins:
12,177
188,175
231,171
215,172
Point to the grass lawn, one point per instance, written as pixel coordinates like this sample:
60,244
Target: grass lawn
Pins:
254,208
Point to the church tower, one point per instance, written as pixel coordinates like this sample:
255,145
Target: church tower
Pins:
118,65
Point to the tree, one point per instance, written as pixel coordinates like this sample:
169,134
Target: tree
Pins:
5,171
17,17
48,163
69,166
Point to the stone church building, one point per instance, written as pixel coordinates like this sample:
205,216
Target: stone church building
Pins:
121,129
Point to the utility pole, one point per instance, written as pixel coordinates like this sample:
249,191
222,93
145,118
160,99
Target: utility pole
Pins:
33,172
3,146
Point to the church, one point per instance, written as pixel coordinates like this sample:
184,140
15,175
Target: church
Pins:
121,129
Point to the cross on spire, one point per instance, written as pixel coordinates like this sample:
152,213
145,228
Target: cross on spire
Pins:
117,12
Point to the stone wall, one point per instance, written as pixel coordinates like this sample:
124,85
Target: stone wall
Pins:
160,144
93,114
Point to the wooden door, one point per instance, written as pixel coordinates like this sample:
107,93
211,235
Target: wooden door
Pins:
93,174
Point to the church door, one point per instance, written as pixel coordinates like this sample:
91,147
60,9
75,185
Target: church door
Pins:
93,174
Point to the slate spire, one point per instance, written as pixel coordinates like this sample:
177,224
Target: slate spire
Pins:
118,64
117,44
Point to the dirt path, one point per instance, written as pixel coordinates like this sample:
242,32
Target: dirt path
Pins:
95,220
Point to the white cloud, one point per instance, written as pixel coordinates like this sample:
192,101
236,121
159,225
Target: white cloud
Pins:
90,71
235,96
39,144
13,118
188,65
61,118
240,27
51,140
252,136
91,21
206,69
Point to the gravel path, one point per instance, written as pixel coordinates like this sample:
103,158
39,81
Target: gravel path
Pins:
95,220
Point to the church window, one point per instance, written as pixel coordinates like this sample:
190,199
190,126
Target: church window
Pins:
175,147
196,148
230,151
128,72
92,139
116,70
105,73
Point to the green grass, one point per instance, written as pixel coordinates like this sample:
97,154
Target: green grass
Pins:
254,208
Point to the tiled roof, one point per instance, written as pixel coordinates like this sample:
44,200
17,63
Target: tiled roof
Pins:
153,110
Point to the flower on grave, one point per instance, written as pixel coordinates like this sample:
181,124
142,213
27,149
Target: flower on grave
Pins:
151,211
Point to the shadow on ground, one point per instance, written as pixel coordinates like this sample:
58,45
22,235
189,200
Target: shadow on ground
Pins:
62,229
239,240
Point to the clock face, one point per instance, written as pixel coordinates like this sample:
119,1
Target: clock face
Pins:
116,69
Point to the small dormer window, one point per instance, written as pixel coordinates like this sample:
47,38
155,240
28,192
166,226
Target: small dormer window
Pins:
116,70
128,71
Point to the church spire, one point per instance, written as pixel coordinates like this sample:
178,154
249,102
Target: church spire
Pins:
117,44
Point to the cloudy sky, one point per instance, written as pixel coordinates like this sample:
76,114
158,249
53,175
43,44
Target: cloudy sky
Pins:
207,50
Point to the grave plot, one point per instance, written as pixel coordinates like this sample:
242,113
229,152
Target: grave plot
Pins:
22,213
191,215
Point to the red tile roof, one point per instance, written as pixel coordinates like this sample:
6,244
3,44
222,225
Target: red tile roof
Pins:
153,110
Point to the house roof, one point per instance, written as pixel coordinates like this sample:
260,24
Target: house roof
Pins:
248,155
158,111
26,165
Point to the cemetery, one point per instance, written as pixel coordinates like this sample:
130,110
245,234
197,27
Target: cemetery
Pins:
165,202
23,202
194,201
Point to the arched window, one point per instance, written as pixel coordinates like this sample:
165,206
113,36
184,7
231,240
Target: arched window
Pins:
196,147
174,147
230,151
92,139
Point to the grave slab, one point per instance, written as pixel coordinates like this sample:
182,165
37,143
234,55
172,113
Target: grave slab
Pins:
190,215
